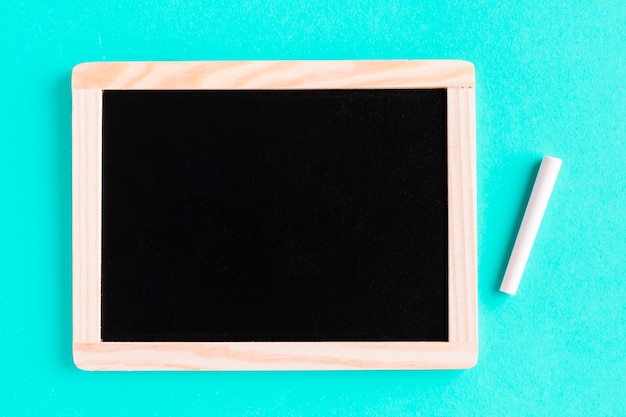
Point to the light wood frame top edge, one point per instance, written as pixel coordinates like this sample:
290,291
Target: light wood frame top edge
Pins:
218,75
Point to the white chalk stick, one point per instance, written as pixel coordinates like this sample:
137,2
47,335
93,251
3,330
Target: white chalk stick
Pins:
539,197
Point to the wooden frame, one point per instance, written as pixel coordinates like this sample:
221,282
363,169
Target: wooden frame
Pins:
88,82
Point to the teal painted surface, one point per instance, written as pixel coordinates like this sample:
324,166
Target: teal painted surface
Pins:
551,79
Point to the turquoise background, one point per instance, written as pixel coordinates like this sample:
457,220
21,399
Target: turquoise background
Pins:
551,79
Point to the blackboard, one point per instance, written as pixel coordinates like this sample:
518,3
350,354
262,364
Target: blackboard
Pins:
274,216
237,217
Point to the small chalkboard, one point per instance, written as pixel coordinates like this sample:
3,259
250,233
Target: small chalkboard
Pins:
274,215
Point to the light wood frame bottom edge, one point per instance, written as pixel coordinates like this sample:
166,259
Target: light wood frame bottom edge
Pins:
274,355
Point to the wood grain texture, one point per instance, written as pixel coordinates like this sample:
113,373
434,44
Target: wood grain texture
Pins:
88,81
86,213
274,355
222,75
463,264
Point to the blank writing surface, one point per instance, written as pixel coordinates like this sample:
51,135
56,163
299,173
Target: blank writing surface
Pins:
303,215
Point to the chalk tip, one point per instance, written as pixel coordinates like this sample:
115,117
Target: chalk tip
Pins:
508,291
552,159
